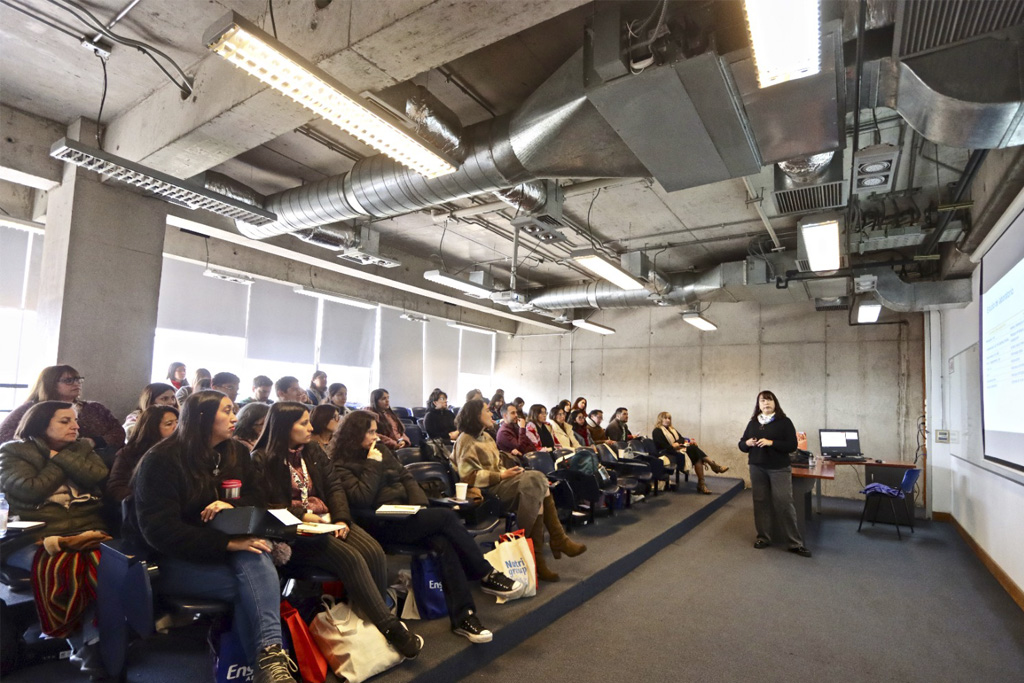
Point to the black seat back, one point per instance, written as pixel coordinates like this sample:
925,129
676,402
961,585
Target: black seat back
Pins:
540,461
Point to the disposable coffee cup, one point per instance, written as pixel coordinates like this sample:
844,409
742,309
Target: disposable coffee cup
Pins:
231,489
461,489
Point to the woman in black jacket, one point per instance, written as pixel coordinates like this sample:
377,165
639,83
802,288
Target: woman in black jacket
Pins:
295,474
439,422
373,477
668,440
154,425
768,440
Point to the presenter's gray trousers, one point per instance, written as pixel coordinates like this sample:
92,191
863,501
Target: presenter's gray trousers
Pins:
773,496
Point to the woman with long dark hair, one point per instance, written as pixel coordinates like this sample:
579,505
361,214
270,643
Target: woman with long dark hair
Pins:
523,491
439,422
156,423
63,383
389,427
156,394
176,492
578,422
251,419
317,391
324,419
561,430
537,430
373,477
295,474
768,440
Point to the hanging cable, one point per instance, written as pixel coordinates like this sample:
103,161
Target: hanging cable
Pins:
273,23
590,232
103,100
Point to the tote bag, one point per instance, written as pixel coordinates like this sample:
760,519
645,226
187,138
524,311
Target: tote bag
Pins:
427,590
513,556
355,650
312,664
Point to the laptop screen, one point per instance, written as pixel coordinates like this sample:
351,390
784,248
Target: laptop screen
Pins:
839,441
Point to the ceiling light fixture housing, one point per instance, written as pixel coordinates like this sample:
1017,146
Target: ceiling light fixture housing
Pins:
818,244
599,264
785,38
415,318
697,319
228,276
478,285
247,47
868,312
331,296
593,327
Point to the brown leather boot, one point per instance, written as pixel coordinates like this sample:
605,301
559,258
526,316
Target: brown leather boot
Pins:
537,534
715,467
560,542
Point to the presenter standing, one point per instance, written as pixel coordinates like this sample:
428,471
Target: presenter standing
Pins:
768,440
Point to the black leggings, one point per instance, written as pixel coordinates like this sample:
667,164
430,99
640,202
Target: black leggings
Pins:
440,530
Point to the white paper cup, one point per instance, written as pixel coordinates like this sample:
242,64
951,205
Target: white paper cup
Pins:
461,489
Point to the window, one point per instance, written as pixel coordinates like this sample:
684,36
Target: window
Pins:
21,253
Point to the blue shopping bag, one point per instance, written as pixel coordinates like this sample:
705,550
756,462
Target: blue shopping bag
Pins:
426,587
232,664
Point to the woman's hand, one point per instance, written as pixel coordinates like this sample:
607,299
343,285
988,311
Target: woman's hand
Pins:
248,544
751,442
764,442
511,472
87,540
342,533
211,510
312,518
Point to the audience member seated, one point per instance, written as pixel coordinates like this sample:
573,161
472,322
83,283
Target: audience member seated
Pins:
474,394
156,423
389,426
520,403
289,389
157,394
668,439
373,477
186,389
226,383
512,437
317,391
295,474
524,492
597,433
439,423
51,475
578,422
562,432
175,494
324,420
338,393
579,404
618,429
261,388
565,405
63,383
537,429
496,403
251,419
176,375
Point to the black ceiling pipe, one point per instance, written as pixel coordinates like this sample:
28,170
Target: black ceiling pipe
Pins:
962,185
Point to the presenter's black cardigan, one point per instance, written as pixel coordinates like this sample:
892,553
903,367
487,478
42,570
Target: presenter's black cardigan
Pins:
780,432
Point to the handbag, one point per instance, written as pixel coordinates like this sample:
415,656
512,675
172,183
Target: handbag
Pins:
312,664
427,588
354,649
513,555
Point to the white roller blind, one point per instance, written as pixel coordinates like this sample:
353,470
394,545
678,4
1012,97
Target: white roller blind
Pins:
476,353
13,247
192,302
441,359
401,358
347,335
282,324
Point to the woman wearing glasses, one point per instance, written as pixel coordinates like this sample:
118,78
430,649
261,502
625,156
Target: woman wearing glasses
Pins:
63,383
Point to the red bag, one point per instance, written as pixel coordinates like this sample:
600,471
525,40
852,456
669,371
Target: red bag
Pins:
312,664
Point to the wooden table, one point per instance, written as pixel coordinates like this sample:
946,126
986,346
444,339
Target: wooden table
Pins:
804,479
885,472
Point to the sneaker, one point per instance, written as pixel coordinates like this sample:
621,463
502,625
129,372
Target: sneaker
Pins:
273,665
473,630
761,544
404,641
498,584
801,551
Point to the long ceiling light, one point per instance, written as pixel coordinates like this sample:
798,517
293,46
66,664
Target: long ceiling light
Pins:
599,265
696,319
593,327
467,286
821,242
471,328
331,296
250,49
786,39
867,313
168,187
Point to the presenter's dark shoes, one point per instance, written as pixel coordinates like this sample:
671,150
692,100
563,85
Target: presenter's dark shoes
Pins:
761,544
471,629
500,585
273,665
406,643
801,551
703,488
716,468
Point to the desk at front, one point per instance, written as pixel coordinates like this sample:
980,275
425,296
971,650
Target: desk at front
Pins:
806,479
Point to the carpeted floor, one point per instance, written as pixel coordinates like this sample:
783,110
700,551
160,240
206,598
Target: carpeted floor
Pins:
865,608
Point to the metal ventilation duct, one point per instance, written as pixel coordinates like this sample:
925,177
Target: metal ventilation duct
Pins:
923,26
682,289
897,295
807,194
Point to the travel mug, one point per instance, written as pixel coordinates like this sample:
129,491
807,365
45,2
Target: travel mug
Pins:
230,490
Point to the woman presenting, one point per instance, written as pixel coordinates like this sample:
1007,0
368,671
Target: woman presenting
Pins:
768,440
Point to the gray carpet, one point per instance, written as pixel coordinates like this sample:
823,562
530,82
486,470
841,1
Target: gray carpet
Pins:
865,608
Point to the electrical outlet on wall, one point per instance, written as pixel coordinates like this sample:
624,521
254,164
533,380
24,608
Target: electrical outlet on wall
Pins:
941,436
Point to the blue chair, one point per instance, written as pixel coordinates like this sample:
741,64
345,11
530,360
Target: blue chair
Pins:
402,413
408,455
879,491
419,412
415,435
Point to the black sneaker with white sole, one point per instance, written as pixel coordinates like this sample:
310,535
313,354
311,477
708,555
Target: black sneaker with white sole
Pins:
473,630
498,584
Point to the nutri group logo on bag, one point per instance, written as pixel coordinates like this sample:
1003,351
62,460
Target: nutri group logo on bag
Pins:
516,568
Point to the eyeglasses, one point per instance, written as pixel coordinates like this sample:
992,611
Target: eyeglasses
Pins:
72,380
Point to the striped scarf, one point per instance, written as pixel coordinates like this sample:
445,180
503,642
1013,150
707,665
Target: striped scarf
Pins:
64,585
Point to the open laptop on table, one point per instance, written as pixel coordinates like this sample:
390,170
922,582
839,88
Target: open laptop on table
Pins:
841,444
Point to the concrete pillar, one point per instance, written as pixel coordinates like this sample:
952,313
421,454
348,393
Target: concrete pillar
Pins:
99,283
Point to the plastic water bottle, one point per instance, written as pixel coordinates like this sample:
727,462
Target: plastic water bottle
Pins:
4,510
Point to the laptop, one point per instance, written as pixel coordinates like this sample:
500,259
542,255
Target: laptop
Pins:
837,444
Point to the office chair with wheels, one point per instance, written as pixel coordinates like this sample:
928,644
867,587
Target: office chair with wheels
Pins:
878,491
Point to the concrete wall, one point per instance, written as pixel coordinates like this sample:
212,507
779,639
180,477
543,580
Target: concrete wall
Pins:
825,372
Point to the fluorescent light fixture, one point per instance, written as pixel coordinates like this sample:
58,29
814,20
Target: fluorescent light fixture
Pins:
168,187
592,327
463,285
821,240
415,318
785,36
868,313
599,265
699,321
471,328
228,276
331,296
258,54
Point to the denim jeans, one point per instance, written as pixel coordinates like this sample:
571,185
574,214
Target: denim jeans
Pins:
247,580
